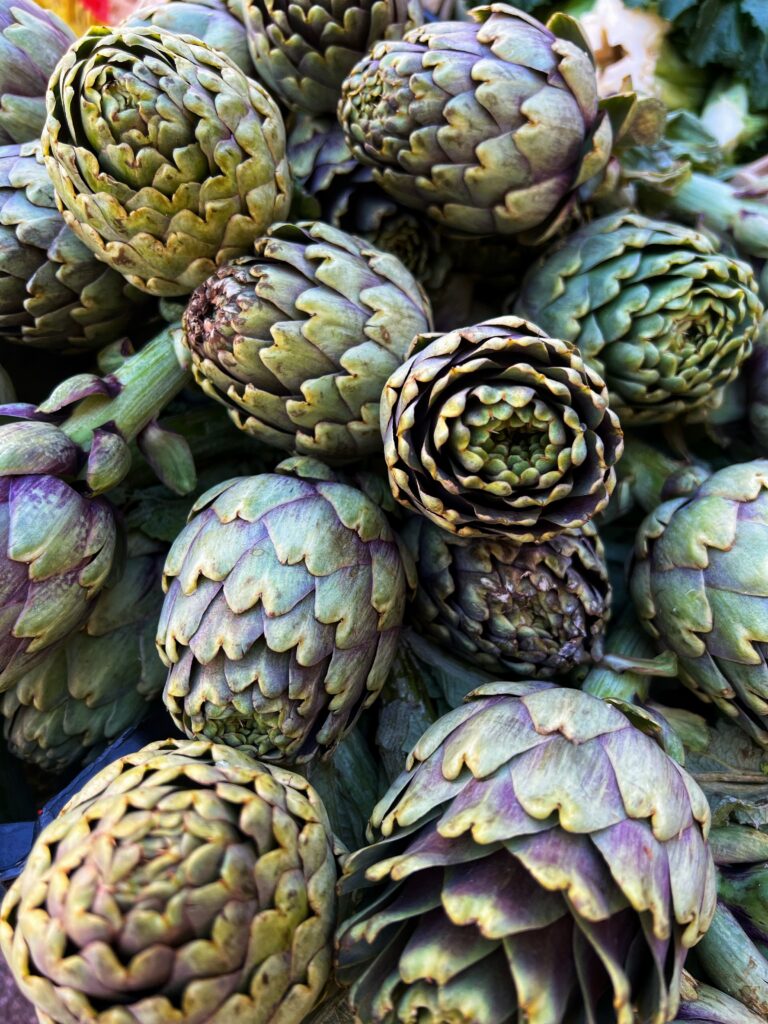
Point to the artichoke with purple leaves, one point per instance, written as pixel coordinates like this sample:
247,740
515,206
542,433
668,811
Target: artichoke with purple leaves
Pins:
491,126
284,601
539,859
497,430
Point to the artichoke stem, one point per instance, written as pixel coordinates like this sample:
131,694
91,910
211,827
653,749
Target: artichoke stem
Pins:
143,386
733,962
738,844
625,671
720,207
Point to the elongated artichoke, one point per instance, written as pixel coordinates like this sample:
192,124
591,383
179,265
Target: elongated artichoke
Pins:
539,859
32,41
54,293
700,589
214,22
284,602
100,682
298,341
654,308
166,158
490,126
497,430
533,610
304,49
185,882
336,188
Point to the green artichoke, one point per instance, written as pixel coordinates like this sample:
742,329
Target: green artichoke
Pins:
497,430
214,22
166,158
32,41
491,126
664,317
540,859
536,610
284,602
184,883
701,590
337,189
303,50
54,293
299,340
100,682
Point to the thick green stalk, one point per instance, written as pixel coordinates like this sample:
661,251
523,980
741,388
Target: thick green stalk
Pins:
147,382
738,844
720,207
628,665
733,962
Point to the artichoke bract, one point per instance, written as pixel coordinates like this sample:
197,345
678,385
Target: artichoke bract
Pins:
298,340
498,430
666,319
284,602
491,126
185,882
97,684
54,293
700,589
303,49
32,41
167,160
535,610
538,859
214,22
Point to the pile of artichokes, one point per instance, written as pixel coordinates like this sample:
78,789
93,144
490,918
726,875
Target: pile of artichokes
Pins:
383,518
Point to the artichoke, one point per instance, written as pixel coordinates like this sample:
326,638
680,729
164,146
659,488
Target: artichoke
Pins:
215,22
54,293
100,682
664,317
284,602
533,610
498,430
185,882
539,859
166,158
491,126
32,41
701,590
303,50
299,340
337,189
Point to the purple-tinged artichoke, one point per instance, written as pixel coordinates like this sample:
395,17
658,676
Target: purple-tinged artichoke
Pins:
283,609
184,883
530,610
497,430
539,859
490,126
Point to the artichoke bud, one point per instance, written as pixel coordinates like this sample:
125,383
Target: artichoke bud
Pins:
109,460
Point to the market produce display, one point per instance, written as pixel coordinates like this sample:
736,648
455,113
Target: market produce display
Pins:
384,511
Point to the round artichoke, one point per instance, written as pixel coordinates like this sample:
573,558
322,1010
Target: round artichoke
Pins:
491,126
167,159
536,610
303,50
100,682
340,191
184,883
540,859
284,603
32,41
498,430
299,340
215,22
701,589
654,308
54,293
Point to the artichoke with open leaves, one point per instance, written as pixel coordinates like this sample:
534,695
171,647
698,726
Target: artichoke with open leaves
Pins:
167,160
491,126
284,601
185,882
664,317
539,859
497,430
